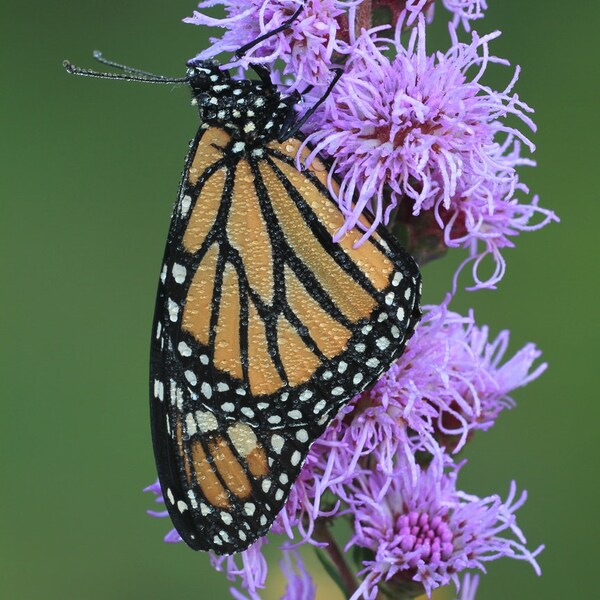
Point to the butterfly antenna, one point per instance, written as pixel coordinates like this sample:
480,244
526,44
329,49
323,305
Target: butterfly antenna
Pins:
140,76
110,63
265,36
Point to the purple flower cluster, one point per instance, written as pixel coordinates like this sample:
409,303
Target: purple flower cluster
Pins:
463,11
423,130
410,135
403,126
306,48
409,517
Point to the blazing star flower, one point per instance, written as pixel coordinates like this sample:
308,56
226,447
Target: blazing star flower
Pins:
450,382
468,587
463,11
421,133
300,585
424,129
423,530
305,47
249,566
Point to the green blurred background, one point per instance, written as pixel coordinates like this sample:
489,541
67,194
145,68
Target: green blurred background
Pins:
89,174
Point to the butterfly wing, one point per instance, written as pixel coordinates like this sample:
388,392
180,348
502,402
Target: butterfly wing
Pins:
264,327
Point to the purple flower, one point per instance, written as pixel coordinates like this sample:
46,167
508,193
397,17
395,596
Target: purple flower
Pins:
424,130
463,11
421,529
468,587
300,585
249,570
249,566
450,381
306,47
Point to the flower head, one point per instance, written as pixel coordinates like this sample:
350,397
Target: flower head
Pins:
300,585
453,379
249,566
423,530
305,47
463,11
423,129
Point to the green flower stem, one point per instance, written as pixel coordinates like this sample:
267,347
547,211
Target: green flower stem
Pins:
346,577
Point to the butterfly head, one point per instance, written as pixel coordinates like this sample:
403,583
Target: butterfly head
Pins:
204,75
250,110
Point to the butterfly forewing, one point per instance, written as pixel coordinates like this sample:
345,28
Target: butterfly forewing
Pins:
264,327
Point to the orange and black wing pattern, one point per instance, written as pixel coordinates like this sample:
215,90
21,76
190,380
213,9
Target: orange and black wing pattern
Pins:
264,326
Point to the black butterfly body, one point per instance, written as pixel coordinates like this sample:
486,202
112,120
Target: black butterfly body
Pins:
264,327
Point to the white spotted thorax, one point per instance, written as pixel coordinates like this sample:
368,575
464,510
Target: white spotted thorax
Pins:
250,111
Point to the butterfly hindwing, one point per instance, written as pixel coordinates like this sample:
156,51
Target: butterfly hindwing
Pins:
264,327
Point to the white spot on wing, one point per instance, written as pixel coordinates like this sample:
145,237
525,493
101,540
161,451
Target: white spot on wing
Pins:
190,424
277,443
192,498
383,343
186,202
302,435
173,310
206,421
243,438
179,273
191,377
184,349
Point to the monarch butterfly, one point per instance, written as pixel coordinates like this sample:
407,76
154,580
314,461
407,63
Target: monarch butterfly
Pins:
264,327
